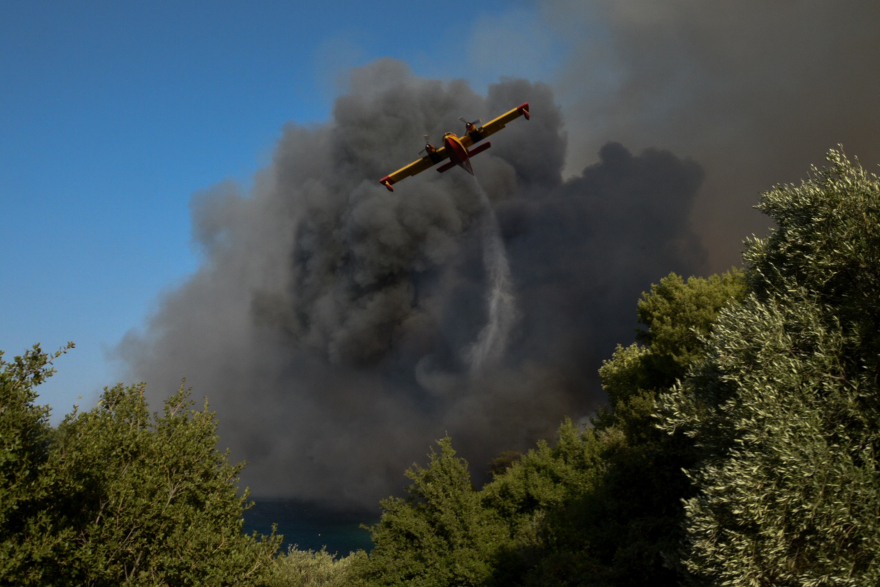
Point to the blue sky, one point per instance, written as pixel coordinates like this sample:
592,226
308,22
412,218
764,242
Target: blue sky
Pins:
112,114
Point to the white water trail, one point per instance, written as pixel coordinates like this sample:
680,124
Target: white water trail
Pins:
491,342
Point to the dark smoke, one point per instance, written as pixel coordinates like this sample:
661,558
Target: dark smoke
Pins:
755,91
330,320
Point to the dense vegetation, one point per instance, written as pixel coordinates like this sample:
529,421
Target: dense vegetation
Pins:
784,407
739,447
117,496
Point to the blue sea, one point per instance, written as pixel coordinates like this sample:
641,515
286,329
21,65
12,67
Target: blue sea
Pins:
310,525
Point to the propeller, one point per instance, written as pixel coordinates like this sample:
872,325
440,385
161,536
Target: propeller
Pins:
427,142
470,124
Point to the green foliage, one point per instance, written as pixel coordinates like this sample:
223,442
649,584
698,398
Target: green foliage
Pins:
305,568
119,496
785,408
632,518
446,533
25,437
438,535
542,500
116,496
677,313
605,507
828,240
546,476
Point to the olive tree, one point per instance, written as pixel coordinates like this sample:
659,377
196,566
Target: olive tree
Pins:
785,406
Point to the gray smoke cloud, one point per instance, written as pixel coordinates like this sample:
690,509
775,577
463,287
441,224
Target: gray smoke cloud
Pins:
754,91
338,329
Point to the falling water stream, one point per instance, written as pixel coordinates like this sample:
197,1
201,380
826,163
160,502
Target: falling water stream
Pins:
501,304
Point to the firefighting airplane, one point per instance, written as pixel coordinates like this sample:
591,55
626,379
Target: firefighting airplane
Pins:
456,148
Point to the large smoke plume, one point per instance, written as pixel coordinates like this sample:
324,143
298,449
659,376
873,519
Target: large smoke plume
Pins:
754,91
338,329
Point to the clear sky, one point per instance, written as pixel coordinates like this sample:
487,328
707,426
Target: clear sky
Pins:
112,114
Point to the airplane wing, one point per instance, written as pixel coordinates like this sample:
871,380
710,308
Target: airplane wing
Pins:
415,167
467,140
495,125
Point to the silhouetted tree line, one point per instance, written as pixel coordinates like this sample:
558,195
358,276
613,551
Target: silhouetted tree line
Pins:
739,447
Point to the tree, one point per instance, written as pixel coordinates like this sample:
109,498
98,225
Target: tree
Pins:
539,499
25,437
438,535
307,568
117,496
677,313
785,406
629,520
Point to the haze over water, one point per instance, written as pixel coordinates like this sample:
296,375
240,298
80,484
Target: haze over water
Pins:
311,526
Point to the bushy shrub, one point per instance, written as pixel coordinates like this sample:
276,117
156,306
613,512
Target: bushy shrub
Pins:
306,568
119,496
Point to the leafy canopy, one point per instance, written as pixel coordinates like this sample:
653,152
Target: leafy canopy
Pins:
438,535
785,408
116,495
